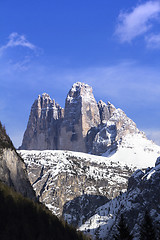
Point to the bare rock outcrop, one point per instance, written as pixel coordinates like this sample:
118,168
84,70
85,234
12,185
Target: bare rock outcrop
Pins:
142,197
105,110
83,125
81,114
43,125
113,131
62,176
12,168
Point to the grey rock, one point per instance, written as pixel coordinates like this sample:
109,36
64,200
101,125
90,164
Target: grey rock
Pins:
157,161
110,134
81,208
12,168
13,173
105,140
142,195
81,114
61,176
82,126
106,110
43,125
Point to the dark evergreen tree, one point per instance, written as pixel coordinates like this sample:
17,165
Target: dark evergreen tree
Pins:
123,232
147,231
5,141
23,219
158,231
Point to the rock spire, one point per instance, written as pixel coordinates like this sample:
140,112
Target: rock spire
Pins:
83,125
43,124
81,113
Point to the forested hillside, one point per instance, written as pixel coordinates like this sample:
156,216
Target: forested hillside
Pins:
23,219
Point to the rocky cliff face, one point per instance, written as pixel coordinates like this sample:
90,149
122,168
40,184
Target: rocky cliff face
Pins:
142,195
61,176
84,125
81,208
81,114
105,110
12,167
63,179
43,125
110,135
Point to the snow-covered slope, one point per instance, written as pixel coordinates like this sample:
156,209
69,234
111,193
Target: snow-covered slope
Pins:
60,176
135,150
142,195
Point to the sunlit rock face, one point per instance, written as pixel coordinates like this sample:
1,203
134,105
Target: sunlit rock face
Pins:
81,114
12,168
59,177
13,173
43,125
83,125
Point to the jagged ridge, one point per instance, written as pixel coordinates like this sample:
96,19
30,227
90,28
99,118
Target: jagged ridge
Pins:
62,176
142,195
83,125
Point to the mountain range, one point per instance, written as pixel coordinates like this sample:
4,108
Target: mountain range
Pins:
23,217
141,196
83,125
64,176
88,163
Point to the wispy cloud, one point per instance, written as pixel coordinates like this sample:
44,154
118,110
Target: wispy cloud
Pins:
16,40
22,65
128,85
137,22
22,60
153,41
126,79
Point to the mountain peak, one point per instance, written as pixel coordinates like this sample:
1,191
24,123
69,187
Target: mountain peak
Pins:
79,85
45,95
43,124
84,125
79,89
43,101
102,103
81,114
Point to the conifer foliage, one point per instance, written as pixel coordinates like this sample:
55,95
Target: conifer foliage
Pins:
123,232
5,141
23,219
147,231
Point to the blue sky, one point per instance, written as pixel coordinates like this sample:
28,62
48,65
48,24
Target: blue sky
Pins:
46,46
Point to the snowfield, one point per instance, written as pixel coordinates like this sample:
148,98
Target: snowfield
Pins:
137,151
143,193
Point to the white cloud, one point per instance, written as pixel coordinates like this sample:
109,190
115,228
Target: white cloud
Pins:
153,41
138,22
16,40
22,65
